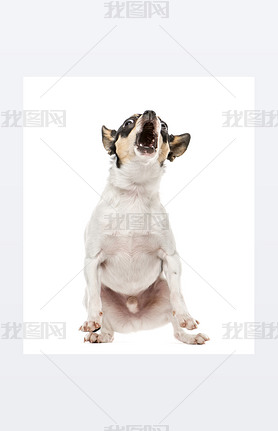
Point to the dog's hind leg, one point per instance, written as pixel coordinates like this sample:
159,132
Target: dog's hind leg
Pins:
182,336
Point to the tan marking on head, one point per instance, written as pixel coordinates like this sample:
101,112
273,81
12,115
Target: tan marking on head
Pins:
163,150
122,149
125,147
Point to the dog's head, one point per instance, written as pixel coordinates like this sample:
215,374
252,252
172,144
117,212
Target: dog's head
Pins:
144,136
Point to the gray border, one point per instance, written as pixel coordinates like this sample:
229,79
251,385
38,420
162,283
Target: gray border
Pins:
239,394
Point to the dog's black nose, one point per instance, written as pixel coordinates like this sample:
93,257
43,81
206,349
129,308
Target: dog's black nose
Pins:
150,114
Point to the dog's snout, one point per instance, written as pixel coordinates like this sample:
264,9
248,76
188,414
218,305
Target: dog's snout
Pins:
150,114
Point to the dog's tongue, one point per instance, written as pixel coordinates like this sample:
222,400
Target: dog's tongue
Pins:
147,149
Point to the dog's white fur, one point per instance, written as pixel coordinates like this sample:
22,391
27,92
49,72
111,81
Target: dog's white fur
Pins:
133,276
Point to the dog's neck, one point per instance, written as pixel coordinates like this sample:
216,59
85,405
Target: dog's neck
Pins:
135,178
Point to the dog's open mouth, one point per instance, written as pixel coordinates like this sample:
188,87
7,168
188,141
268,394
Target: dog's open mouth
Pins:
146,141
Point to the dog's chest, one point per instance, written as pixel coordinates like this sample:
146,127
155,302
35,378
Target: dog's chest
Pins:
131,245
131,263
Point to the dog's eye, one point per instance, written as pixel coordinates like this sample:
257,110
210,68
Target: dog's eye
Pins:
128,122
163,125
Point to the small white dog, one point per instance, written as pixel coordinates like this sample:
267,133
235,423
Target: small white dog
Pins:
132,268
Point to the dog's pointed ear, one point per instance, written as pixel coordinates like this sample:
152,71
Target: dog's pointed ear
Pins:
108,137
178,145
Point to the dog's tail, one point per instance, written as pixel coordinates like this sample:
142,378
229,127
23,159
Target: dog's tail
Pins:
132,304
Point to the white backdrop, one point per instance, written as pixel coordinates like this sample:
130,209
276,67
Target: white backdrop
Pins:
212,217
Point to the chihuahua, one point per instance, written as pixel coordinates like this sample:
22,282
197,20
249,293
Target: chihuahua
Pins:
132,268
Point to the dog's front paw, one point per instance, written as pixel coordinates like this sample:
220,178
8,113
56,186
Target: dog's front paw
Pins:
91,337
98,338
91,325
186,321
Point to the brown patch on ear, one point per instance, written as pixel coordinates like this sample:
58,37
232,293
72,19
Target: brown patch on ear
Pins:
178,145
108,139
